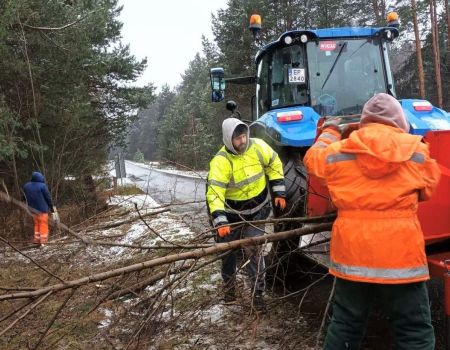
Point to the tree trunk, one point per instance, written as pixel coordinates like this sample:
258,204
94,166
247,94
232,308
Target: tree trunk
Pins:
383,12
418,51
376,11
436,58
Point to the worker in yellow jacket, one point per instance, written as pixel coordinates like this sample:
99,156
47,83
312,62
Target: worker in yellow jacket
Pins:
376,177
237,191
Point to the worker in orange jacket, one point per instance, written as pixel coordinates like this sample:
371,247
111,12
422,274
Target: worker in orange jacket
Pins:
376,177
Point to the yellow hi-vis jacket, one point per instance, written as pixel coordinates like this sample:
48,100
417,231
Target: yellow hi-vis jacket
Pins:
237,184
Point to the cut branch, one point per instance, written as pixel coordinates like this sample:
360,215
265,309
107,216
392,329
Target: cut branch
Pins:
195,254
32,307
127,221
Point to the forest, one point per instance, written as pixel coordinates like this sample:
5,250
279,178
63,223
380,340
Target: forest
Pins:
124,269
422,46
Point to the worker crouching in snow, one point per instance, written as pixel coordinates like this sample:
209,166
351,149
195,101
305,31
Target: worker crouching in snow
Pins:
238,191
39,199
376,177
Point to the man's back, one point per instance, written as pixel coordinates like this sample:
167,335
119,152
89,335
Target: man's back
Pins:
378,168
37,194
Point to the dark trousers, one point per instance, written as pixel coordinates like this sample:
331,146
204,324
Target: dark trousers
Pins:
406,305
255,266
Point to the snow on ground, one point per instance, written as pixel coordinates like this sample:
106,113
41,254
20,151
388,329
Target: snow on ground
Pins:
164,227
168,228
193,311
142,201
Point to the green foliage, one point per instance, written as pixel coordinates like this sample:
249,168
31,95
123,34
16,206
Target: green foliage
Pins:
187,129
144,132
138,156
63,86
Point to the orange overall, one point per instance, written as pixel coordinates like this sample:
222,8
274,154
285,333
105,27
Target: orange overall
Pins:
40,228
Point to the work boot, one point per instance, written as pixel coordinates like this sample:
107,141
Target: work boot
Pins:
229,293
37,238
259,304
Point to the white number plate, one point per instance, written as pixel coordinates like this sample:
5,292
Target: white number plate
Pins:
297,75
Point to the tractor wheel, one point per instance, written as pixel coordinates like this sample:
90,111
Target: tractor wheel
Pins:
279,259
295,182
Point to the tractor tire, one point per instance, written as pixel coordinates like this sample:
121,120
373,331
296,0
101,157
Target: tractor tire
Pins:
295,182
278,259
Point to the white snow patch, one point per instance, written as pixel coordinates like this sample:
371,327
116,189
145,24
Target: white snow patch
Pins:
107,320
213,314
216,277
143,201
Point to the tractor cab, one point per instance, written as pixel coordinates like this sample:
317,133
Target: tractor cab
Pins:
334,71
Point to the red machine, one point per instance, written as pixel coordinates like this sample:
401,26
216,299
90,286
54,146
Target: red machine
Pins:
434,215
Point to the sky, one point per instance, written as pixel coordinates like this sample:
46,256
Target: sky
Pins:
168,33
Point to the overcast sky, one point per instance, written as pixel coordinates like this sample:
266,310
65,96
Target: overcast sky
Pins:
168,33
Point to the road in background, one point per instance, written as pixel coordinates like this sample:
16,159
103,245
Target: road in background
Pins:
164,186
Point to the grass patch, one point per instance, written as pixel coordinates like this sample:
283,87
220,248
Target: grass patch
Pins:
129,190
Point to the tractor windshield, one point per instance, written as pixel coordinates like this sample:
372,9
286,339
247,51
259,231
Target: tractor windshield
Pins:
343,75
335,77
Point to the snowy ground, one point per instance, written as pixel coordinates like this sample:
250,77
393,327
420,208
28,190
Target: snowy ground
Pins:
180,311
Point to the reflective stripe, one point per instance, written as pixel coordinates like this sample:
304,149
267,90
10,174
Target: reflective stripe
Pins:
340,157
249,211
260,157
222,153
219,219
321,144
246,181
389,274
274,155
279,188
328,136
418,158
217,183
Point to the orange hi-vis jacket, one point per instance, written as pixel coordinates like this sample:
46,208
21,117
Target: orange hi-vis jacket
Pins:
376,178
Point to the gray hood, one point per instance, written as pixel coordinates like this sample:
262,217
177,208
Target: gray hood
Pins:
228,127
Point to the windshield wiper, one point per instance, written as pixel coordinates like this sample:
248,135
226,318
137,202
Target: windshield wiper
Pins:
334,64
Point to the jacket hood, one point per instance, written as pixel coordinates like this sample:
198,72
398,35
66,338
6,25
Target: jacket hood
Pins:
228,127
37,177
380,149
384,109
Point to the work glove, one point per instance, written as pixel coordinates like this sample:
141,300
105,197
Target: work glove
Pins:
223,231
333,122
280,202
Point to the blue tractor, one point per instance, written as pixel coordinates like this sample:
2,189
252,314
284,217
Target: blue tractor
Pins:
307,75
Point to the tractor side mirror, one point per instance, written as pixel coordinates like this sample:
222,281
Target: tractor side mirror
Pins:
217,77
233,108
